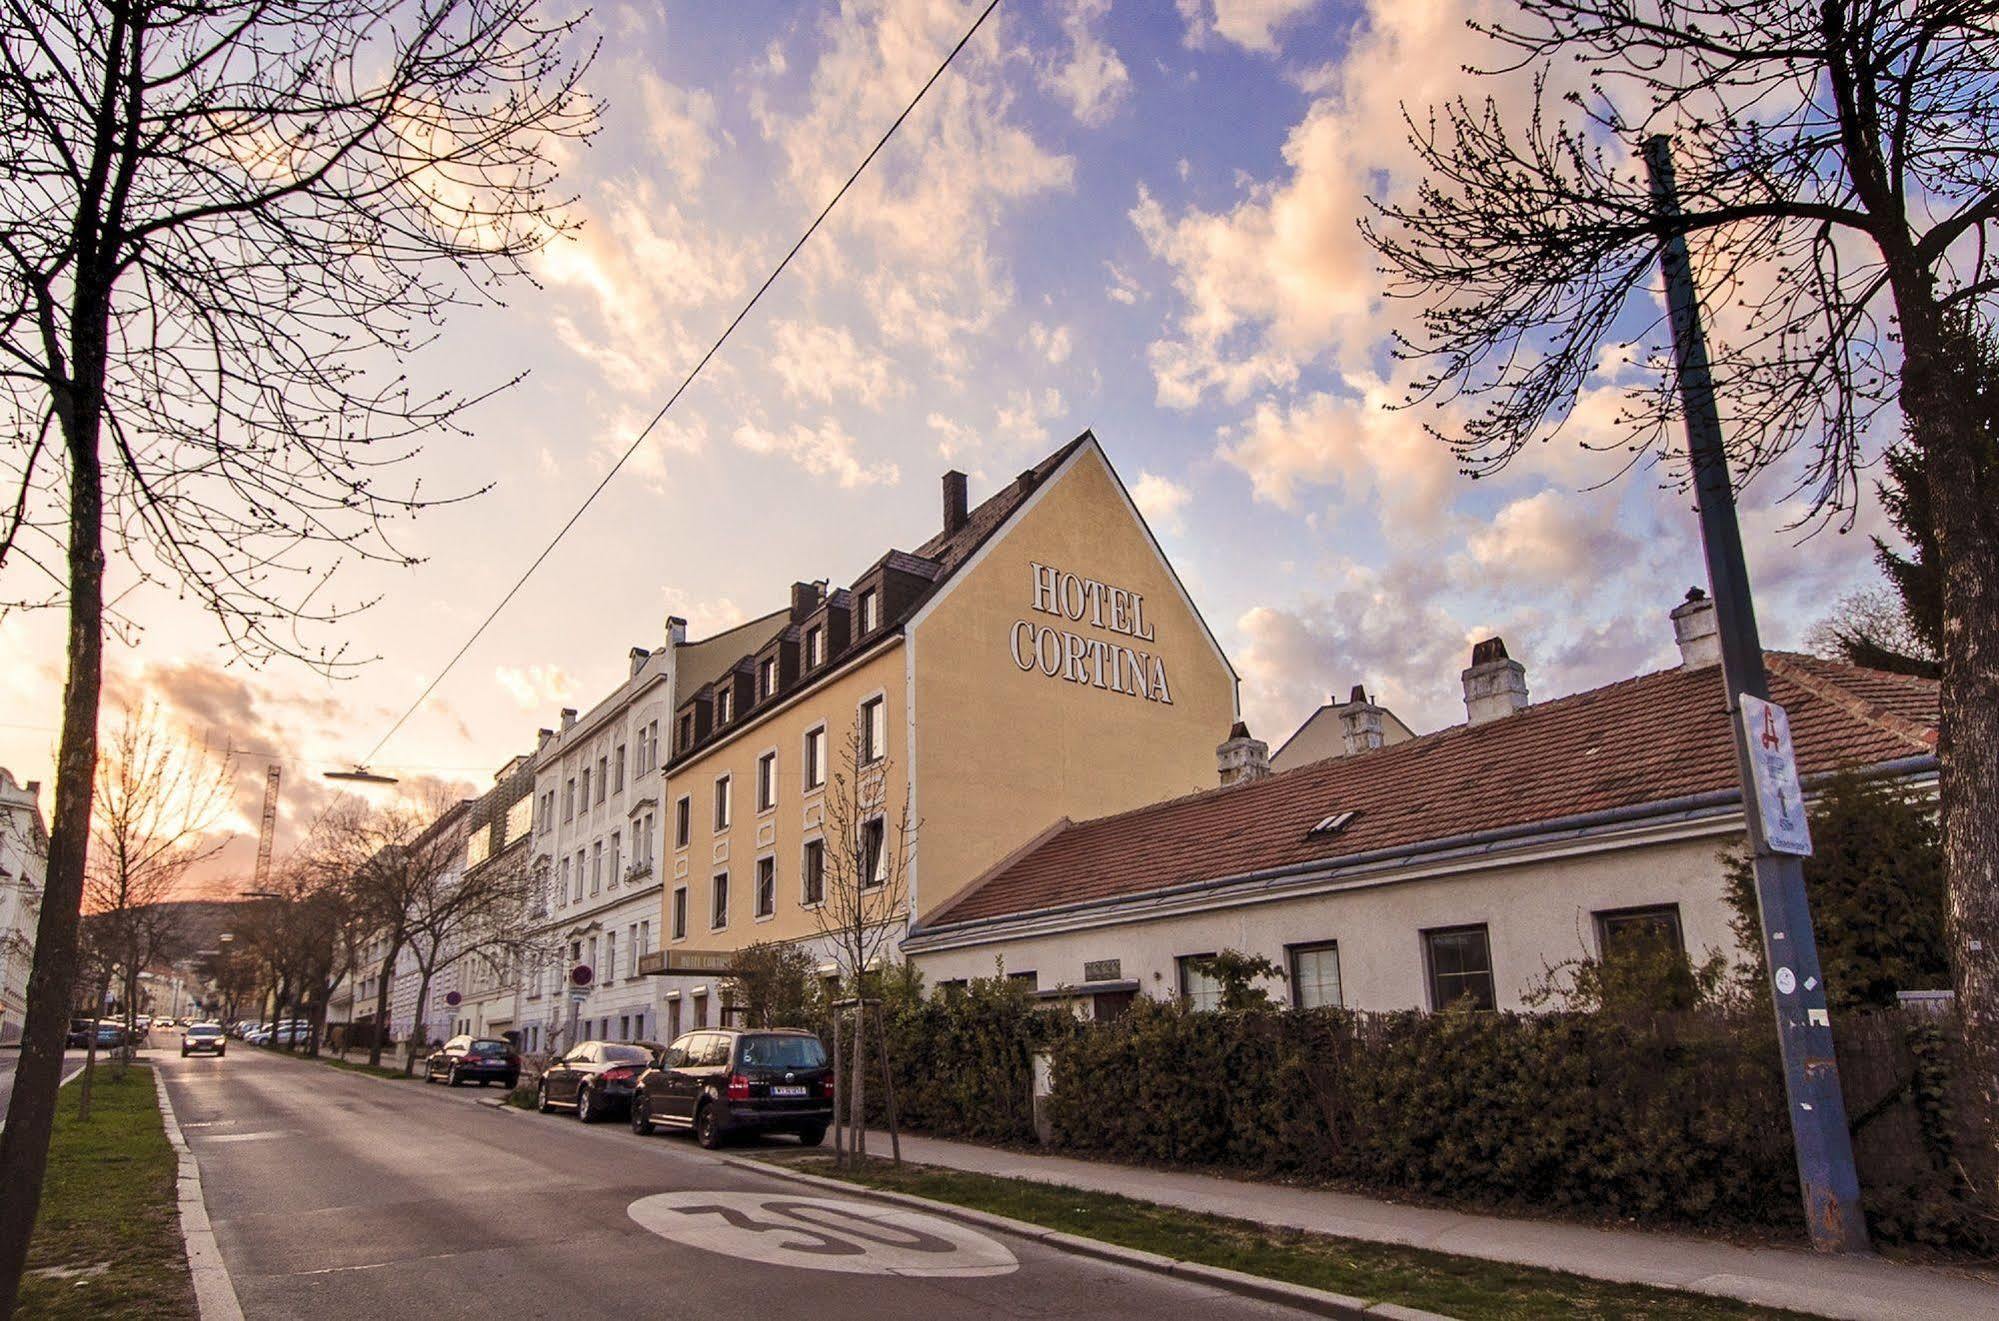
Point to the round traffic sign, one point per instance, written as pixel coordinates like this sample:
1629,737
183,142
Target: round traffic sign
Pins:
823,1234
452,998
581,975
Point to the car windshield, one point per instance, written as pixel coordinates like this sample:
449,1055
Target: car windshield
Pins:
786,1052
489,1048
626,1055
202,1030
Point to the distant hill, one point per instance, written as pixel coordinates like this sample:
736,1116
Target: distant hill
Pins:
202,920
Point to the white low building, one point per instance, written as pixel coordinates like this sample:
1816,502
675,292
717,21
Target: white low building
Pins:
24,860
1461,864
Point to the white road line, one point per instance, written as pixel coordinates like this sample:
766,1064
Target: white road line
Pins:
258,1136
214,1291
68,1078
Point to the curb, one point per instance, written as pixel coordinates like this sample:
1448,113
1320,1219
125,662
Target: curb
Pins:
1320,1301
214,1291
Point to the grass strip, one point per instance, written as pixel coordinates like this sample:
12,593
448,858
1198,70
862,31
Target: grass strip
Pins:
107,1238
1465,1287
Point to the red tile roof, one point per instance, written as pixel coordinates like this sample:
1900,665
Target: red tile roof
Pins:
1650,739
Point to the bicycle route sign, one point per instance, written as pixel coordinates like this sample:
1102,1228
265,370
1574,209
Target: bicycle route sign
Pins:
823,1233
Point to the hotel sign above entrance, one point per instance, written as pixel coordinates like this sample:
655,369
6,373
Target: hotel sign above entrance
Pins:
1110,663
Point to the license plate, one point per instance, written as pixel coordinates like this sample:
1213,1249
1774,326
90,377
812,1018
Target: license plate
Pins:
787,1091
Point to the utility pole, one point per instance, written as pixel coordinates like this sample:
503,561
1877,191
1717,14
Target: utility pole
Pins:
1804,1030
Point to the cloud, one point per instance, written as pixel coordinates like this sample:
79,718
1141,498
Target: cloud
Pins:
537,687
1553,540
1022,421
823,363
680,123
1350,442
824,451
953,438
1089,77
1052,343
1160,499
1251,24
705,617
1123,288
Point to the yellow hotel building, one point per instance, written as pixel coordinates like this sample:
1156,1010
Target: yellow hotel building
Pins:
1037,659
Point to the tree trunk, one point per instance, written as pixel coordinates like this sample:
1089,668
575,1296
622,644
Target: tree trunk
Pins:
419,1029
383,983
857,1109
24,1143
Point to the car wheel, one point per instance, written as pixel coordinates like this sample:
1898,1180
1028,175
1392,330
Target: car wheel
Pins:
707,1130
586,1107
220,1051
183,1053
541,1098
813,1136
511,1081
641,1117
452,1078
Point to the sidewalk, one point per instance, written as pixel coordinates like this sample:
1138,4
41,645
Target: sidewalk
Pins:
1864,1288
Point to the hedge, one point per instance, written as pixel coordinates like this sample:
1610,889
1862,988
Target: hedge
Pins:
1667,1119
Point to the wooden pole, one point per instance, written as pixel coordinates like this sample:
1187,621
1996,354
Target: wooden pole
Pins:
839,1097
888,1083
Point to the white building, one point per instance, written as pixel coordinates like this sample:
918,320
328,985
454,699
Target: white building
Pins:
1341,729
599,832
24,860
1457,865
486,983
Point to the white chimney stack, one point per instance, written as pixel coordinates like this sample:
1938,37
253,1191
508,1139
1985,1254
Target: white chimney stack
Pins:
1241,758
1495,686
1697,632
1360,723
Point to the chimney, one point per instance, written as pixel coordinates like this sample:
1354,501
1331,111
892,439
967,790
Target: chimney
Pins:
34,788
568,718
804,600
1695,629
676,631
957,503
1494,685
1242,758
1360,723
541,738
1026,482
639,657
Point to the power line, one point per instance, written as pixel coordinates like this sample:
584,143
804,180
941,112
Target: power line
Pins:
713,349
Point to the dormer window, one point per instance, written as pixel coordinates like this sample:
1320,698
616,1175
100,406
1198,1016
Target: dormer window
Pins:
1333,824
871,611
815,646
725,706
687,731
767,678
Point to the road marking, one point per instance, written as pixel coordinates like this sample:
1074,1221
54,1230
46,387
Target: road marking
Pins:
214,1291
822,1233
247,1137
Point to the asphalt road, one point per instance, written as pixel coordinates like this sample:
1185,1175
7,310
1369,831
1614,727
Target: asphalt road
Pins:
336,1195
10,1059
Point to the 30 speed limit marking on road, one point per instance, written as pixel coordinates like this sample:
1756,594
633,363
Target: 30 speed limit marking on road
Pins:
822,1234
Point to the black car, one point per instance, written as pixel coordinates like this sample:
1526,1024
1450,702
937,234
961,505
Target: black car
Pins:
722,1081
594,1078
474,1059
203,1036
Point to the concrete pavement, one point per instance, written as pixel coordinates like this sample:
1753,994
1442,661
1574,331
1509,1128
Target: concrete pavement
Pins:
337,1195
1862,1288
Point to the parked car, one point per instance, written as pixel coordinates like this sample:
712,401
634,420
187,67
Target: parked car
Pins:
204,1037
594,1078
723,1081
110,1036
474,1059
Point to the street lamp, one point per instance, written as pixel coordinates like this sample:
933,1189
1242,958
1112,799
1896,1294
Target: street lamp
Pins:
362,775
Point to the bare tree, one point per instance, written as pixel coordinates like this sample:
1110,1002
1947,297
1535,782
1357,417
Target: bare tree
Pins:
1872,627
1839,169
219,220
868,844
157,804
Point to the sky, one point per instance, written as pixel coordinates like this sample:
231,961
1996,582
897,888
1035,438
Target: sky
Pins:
1138,217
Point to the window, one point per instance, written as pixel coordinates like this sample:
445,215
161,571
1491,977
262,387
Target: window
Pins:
478,847
870,611
721,803
767,678
687,731
548,811
603,778
520,819
1315,976
618,769
719,918
1460,960
725,705
645,840
596,866
815,646
610,956
645,936
813,872
874,857
652,745
766,886
874,729
815,758
1198,987
562,894
682,812
569,798
1333,824
767,782
586,788
615,842
1626,931
680,913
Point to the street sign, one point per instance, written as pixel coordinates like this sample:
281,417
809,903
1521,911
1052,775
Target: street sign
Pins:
1780,802
581,975
452,998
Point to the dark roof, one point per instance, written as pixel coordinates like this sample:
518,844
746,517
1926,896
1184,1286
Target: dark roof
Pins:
698,664
952,549
1646,740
